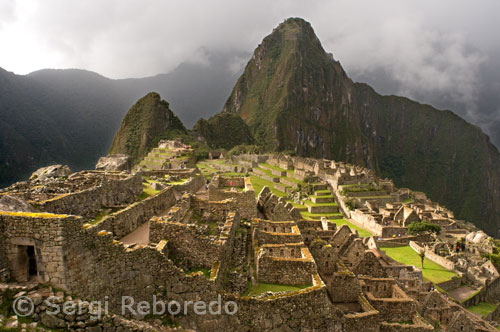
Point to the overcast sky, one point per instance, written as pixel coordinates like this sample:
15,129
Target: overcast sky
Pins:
444,52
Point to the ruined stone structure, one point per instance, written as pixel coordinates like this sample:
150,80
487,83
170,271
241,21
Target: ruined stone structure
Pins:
99,235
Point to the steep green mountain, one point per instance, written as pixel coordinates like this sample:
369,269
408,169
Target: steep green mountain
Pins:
295,96
148,121
224,130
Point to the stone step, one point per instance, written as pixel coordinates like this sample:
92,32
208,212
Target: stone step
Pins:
288,182
282,187
319,186
264,175
322,208
322,199
330,217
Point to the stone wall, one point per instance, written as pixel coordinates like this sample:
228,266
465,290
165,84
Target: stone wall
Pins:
434,257
44,233
247,206
125,221
84,316
114,190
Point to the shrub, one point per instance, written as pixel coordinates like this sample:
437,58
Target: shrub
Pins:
422,227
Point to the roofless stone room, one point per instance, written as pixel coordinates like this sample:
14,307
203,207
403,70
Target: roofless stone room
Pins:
249,166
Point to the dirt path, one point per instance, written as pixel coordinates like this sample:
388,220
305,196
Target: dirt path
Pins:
140,236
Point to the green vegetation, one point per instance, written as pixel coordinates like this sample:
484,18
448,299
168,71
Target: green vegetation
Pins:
423,227
483,308
206,169
259,183
308,202
224,130
147,118
432,271
436,152
262,288
269,166
361,231
147,191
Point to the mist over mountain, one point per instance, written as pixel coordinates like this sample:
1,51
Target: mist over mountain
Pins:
70,116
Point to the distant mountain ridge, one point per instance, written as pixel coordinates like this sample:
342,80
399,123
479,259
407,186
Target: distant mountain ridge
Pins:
70,116
295,96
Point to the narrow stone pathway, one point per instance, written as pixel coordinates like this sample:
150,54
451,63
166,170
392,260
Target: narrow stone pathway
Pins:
140,236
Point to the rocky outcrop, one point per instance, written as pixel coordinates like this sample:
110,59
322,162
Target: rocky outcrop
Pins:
14,204
50,172
116,162
295,97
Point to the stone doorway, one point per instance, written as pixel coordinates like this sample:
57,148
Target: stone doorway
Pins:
26,268
32,266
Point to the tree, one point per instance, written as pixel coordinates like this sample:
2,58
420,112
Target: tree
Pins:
422,227
421,253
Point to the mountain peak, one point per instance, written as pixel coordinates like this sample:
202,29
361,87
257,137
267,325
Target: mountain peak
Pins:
148,121
295,97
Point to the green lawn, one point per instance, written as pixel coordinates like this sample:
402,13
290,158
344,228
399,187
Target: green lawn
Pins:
259,183
233,174
361,231
483,308
320,204
206,170
276,168
262,288
432,271
147,191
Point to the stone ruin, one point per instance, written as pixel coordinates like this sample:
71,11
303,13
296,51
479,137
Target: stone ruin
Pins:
94,234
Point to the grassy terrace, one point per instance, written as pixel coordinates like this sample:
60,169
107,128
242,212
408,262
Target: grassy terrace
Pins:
259,183
262,288
432,271
483,308
147,191
361,231
276,168
320,204
206,170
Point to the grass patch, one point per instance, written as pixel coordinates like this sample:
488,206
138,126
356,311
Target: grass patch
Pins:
320,204
432,271
324,192
233,174
259,183
206,170
361,231
147,191
276,168
483,308
263,287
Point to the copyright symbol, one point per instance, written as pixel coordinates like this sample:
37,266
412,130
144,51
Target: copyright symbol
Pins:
23,306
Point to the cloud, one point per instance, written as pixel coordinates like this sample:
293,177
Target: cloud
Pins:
435,52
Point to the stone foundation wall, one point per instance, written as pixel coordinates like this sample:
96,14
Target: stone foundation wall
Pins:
125,221
113,191
245,201
186,245
288,271
396,327
434,257
43,231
